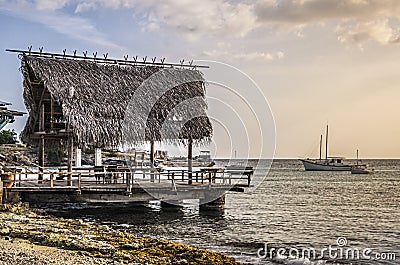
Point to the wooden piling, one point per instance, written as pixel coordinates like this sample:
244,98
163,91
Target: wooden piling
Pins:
79,181
171,204
97,157
209,204
41,145
190,160
41,159
70,158
51,180
78,157
152,160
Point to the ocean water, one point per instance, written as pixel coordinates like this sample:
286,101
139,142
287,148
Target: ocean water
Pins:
356,217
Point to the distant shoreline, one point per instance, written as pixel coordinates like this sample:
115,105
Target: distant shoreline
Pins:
280,158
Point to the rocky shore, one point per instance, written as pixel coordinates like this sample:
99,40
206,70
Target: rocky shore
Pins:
30,236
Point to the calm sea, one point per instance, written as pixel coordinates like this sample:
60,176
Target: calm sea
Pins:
344,218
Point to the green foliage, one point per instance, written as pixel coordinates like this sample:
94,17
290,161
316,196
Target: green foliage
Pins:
55,156
8,137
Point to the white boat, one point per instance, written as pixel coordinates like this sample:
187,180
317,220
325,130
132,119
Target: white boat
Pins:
327,164
330,164
361,168
202,160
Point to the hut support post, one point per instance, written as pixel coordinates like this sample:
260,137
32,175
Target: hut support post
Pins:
152,160
41,145
51,113
78,157
190,159
97,157
41,159
70,158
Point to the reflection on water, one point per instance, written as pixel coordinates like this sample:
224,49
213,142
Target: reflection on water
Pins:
292,208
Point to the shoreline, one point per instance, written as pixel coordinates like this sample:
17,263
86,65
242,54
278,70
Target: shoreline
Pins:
32,236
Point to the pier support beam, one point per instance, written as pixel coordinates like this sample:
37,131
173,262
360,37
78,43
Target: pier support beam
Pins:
216,204
97,157
171,204
78,157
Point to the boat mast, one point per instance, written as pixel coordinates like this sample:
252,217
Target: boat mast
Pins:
326,143
320,148
357,157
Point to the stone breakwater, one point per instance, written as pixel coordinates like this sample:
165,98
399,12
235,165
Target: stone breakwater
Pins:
33,237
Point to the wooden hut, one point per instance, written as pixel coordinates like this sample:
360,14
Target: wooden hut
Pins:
6,115
86,102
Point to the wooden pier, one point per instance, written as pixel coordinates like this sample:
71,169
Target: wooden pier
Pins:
120,184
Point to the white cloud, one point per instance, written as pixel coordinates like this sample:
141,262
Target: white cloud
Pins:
77,28
307,11
195,19
85,5
71,26
189,19
262,56
379,30
358,20
229,55
50,4
354,21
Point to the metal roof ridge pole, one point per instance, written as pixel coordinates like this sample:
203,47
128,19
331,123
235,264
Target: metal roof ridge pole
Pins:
106,60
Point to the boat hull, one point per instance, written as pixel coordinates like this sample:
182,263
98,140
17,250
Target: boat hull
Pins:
310,165
361,170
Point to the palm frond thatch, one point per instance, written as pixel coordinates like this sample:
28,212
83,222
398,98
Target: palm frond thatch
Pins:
109,105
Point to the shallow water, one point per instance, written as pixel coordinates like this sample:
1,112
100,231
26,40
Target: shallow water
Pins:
292,209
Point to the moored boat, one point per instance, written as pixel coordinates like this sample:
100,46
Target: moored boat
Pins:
327,164
361,168
204,159
330,164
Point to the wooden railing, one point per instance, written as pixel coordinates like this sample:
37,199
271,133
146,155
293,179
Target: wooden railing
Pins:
113,177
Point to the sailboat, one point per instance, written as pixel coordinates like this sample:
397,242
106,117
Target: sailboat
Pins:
327,164
361,168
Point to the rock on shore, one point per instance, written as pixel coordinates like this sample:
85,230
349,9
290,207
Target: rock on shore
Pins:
33,237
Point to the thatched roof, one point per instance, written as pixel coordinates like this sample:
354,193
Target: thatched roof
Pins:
108,105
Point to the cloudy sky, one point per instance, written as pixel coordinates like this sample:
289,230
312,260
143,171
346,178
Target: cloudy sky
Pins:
316,61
